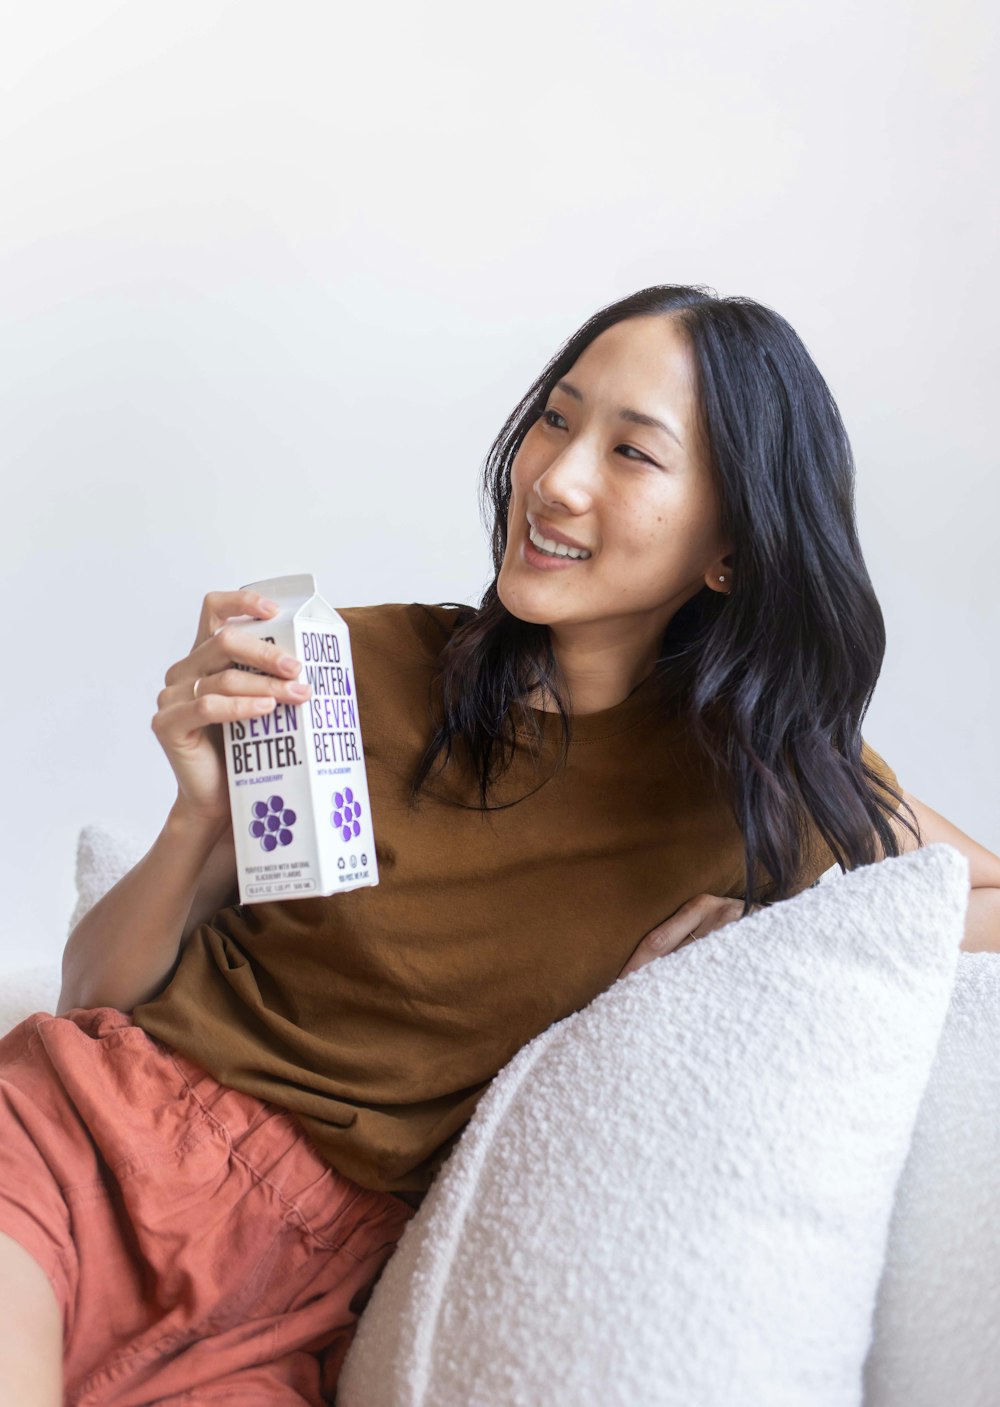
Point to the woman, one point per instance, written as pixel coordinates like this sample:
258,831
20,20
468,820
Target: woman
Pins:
649,725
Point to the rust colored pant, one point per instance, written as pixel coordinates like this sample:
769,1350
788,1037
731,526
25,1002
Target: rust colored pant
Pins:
200,1247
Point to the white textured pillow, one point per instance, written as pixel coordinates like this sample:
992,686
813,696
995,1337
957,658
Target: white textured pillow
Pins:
102,857
27,990
937,1319
681,1194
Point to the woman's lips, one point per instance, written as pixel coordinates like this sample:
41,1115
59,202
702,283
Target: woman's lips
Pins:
550,531
544,561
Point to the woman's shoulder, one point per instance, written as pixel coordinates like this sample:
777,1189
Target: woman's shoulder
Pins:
414,630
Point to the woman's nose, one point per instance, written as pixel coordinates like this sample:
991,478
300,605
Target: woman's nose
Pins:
566,483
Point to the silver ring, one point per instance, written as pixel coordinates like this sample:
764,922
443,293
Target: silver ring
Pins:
691,935
194,691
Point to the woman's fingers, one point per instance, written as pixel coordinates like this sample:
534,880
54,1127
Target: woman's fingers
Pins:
232,684
231,645
228,646
235,683
699,916
181,721
220,606
225,692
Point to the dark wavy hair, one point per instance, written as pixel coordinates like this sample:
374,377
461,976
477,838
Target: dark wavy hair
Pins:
773,678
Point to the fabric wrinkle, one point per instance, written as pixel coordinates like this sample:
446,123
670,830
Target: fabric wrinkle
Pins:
201,1247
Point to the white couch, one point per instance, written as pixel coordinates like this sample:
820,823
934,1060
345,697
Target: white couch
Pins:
761,1172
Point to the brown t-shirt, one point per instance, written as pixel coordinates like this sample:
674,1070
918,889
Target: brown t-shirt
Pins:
378,1017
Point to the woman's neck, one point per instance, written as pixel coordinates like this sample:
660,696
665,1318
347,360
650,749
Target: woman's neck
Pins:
593,687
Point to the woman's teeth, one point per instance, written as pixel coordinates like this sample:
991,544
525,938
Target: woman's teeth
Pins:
554,549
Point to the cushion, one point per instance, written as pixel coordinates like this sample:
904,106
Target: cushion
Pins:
682,1193
937,1318
103,856
27,990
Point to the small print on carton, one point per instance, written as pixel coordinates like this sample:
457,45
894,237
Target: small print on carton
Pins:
298,789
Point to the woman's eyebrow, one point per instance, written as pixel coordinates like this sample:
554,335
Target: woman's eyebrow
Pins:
635,416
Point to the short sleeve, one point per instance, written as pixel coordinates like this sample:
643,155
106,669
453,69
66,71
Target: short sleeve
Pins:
879,765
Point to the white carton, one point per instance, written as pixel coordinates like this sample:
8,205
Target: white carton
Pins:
302,819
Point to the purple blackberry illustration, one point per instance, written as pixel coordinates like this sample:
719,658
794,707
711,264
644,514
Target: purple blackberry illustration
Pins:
272,823
344,816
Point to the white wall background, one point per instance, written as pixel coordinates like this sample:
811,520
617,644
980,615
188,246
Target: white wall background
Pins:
272,276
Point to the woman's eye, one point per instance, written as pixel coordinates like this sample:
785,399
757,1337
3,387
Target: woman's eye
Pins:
631,447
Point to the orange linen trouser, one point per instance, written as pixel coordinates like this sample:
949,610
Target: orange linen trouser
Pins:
200,1247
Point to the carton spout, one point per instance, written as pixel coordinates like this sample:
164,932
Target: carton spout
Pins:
290,592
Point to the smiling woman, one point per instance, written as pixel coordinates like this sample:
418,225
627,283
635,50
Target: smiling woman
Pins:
687,452
651,722
647,512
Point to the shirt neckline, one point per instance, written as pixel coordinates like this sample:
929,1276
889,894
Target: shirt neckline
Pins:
644,700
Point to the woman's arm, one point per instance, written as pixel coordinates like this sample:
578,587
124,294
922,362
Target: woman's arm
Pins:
982,921
124,950
706,912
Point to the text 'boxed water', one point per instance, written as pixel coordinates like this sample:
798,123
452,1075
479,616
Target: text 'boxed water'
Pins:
297,784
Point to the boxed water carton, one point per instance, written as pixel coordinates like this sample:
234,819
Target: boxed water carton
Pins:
302,820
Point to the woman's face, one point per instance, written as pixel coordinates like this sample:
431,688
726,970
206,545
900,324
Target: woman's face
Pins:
637,498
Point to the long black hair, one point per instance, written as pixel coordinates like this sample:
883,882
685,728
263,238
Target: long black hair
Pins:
774,677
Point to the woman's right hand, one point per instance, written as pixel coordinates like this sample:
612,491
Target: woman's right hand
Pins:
186,725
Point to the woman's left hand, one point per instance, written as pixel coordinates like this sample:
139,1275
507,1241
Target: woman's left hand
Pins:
695,919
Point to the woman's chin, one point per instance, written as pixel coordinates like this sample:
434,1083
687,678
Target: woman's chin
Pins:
519,603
